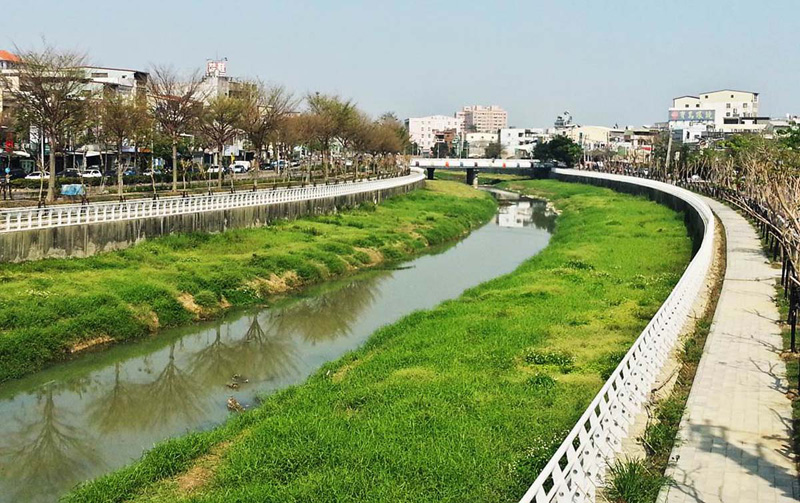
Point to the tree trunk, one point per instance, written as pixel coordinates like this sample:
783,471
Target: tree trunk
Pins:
219,167
51,184
256,167
119,168
174,164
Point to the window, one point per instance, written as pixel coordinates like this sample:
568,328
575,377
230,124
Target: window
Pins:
697,105
731,96
99,75
744,105
727,114
727,105
687,105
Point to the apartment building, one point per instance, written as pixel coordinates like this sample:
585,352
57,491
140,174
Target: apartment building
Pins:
482,119
423,130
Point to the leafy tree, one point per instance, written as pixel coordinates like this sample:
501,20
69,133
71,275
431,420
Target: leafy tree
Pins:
440,149
494,150
560,148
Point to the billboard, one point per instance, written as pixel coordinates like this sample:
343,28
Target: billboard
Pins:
216,68
692,115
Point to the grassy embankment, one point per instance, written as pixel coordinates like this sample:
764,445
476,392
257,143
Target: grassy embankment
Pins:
463,402
51,308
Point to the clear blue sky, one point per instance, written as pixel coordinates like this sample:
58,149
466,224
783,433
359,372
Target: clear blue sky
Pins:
605,61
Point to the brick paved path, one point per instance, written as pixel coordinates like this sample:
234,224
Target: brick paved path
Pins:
734,441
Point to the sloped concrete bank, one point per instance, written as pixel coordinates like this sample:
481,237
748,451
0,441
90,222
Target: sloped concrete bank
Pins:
89,239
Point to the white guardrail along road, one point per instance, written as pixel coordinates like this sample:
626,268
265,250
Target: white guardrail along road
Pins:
578,467
21,219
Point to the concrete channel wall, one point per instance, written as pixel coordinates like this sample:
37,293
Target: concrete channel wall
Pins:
89,239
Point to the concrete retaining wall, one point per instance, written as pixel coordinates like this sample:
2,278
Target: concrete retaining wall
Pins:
87,240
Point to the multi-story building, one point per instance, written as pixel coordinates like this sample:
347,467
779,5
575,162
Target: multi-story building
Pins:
8,76
423,130
482,119
123,81
520,142
725,111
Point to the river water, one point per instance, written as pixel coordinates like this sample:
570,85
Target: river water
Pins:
81,419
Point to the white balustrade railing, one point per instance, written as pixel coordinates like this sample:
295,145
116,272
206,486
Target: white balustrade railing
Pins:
472,163
21,219
577,469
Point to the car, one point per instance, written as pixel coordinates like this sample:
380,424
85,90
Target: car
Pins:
36,175
15,173
71,173
91,173
153,172
214,169
129,172
240,166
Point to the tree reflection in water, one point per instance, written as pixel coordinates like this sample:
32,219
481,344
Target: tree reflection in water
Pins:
265,355
329,315
174,396
43,441
216,362
117,406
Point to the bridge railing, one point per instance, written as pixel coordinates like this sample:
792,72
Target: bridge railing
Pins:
577,469
21,219
472,163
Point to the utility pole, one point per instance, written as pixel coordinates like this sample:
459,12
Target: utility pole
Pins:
669,151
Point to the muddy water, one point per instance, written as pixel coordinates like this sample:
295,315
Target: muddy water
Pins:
78,420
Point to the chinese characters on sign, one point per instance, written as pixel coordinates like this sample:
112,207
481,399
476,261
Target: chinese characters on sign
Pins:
692,115
216,68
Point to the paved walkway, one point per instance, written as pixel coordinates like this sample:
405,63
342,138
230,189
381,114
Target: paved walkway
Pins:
734,442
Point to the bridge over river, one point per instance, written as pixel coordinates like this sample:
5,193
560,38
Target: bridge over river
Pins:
525,167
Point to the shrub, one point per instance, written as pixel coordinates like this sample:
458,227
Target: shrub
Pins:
206,298
632,481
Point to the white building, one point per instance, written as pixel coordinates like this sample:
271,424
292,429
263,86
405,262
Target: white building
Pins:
124,81
519,142
723,111
422,130
482,119
477,143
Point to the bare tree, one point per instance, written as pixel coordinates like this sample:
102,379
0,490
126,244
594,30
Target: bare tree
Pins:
175,104
219,123
118,117
51,92
265,110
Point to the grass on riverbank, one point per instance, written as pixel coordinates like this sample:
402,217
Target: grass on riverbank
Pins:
464,402
50,308
640,480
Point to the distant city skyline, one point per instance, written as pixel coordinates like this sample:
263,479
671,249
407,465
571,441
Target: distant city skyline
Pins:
605,63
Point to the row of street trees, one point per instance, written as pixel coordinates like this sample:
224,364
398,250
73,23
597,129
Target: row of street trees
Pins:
52,94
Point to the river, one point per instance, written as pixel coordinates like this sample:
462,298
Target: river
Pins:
80,419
